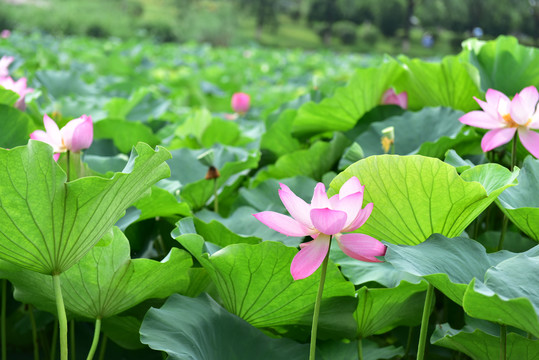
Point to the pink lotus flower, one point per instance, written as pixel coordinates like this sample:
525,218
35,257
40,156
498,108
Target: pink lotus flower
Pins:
74,136
5,61
504,117
391,97
240,102
5,34
19,87
323,219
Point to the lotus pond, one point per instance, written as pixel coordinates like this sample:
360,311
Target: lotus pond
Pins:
158,210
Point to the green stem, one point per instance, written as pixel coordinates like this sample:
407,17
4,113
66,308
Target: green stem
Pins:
502,234
72,340
425,323
62,318
3,319
514,153
54,340
360,349
34,331
408,343
68,165
216,199
503,342
95,341
314,329
103,349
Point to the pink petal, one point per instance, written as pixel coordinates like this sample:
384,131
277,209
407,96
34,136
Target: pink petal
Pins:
529,97
56,156
351,186
520,111
41,135
494,97
282,223
361,247
296,206
351,205
327,221
361,218
320,198
497,137
488,107
53,131
310,257
530,140
78,133
481,120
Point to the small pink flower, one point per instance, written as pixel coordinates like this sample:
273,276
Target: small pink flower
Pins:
504,117
74,136
4,34
240,102
5,61
322,219
391,97
19,87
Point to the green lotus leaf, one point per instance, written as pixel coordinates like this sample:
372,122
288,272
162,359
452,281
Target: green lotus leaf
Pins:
480,345
46,224
497,298
8,97
20,125
451,83
504,64
124,134
521,203
411,132
415,196
382,309
330,350
105,282
343,110
327,154
193,329
254,283
448,264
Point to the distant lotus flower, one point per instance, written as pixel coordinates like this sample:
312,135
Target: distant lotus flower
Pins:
322,219
503,117
4,34
74,136
5,61
19,87
241,102
391,97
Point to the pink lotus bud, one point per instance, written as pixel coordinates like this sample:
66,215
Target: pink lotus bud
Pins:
391,97
5,61
240,102
4,34
76,135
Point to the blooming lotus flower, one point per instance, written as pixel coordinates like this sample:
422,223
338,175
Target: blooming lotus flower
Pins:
504,117
391,97
240,102
19,87
323,219
74,136
5,61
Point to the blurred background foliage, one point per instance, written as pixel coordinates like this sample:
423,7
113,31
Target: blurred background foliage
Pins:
413,27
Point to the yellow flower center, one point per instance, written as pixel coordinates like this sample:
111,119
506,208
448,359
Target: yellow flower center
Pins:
512,124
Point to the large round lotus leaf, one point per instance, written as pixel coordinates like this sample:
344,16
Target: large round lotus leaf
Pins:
509,294
48,224
480,345
195,329
521,203
416,196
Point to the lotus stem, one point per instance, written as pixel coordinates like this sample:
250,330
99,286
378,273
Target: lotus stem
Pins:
425,323
316,313
360,348
95,341
103,349
216,199
68,165
72,339
3,319
408,343
34,331
62,318
54,340
503,342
